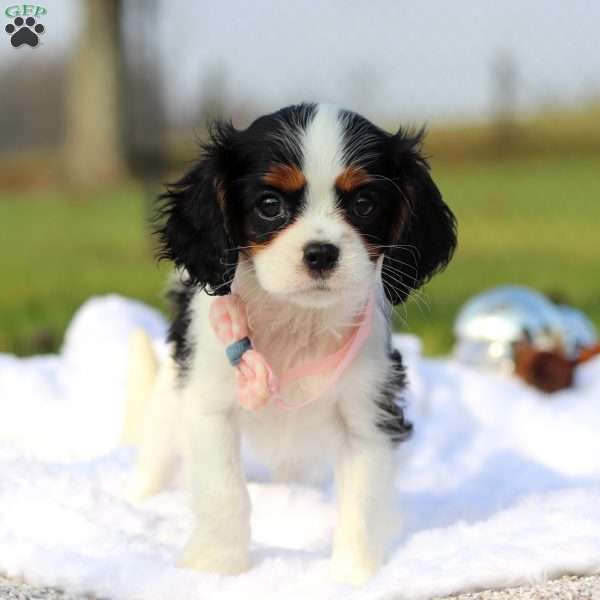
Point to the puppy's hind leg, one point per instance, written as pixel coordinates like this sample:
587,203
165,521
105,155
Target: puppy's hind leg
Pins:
158,446
141,374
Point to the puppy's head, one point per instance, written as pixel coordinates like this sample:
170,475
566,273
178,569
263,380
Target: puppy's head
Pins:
316,199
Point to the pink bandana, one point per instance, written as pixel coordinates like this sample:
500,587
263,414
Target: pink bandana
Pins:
256,382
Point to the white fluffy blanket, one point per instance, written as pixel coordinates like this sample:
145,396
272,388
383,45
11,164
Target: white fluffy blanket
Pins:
501,486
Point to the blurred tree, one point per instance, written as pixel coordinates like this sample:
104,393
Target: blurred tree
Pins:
30,120
93,149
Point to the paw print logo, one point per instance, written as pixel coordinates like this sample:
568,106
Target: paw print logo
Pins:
24,32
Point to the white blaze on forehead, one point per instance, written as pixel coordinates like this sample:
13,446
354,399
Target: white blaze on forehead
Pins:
322,158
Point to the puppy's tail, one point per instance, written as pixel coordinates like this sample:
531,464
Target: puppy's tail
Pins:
141,375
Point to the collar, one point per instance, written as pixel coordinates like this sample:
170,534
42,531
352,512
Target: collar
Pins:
257,384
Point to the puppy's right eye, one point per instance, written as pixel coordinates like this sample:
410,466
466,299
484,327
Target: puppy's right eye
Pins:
270,207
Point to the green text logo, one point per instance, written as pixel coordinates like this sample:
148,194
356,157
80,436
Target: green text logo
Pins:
25,10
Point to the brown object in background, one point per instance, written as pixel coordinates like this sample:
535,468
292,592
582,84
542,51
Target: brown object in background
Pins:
548,371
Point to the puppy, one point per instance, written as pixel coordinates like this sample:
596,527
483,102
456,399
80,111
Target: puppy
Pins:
308,213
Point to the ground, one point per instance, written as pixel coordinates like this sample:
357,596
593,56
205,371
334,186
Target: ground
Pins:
566,588
11,589
522,220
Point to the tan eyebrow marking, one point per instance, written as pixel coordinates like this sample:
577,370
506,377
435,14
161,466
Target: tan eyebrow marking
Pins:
351,178
285,177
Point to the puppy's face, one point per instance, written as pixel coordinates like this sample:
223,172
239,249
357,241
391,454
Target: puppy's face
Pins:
311,216
312,196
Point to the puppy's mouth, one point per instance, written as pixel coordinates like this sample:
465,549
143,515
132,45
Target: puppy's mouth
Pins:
318,292
321,286
318,287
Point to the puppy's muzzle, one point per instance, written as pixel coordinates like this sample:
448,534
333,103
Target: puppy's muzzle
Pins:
320,258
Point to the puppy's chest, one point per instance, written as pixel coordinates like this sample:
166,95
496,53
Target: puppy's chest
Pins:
288,349
304,355
308,433
297,350
296,361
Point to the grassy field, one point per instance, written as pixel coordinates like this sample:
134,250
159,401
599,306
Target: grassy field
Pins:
532,222
57,250
527,221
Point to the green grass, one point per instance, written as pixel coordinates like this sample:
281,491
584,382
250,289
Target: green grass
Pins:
526,221
58,249
531,222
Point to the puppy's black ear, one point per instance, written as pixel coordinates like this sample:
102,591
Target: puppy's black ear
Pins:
423,234
193,228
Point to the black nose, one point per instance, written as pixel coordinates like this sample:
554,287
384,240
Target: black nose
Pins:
319,257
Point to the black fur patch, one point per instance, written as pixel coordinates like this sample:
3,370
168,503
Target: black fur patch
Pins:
423,240
269,141
251,228
392,420
180,297
207,217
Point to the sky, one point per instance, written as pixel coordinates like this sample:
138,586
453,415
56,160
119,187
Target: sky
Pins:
393,58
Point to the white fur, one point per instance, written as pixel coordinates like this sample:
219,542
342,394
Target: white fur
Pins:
292,320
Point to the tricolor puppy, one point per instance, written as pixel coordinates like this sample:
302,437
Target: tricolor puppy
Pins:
311,215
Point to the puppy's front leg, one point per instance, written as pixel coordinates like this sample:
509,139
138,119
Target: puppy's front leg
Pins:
364,481
221,538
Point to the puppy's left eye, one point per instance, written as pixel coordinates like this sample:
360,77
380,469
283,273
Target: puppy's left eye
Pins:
364,206
270,207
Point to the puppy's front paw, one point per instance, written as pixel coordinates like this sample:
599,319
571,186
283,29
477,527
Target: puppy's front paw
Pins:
204,555
354,570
